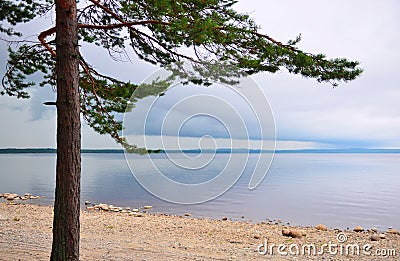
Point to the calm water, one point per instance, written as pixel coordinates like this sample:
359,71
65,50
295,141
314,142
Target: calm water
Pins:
339,190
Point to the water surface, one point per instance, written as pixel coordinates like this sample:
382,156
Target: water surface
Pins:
339,190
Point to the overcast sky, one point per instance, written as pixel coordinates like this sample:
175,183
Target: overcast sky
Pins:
362,113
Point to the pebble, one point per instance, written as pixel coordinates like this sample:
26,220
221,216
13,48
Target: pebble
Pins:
358,229
297,233
27,195
148,207
135,214
375,238
135,210
292,233
393,231
286,232
257,236
382,236
128,208
374,229
187,214
90,208
1,195
87,202
104,207
10,197
321,227
224,218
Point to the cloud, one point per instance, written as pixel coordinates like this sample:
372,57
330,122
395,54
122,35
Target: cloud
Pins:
362,113
18,129
194,111
209,143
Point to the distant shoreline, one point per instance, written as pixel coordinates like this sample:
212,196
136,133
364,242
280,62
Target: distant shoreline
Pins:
219,151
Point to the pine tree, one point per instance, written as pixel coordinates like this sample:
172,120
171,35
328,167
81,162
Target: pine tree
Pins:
157,31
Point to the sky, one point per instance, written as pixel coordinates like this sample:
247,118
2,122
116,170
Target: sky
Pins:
364,113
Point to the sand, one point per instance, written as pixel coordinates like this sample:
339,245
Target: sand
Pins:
26,234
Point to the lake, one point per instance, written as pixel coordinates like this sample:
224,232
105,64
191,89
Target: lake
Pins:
340,190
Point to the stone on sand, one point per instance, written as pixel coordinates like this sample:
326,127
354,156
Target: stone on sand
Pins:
358,229
321,227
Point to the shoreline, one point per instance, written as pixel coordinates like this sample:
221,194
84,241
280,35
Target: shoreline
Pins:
153,210
26,232
86,205
90,206
142,208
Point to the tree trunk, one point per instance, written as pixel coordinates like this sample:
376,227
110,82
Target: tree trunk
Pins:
68,171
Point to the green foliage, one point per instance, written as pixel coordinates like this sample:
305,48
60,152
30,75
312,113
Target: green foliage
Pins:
20,11
208,34
26,61
103,96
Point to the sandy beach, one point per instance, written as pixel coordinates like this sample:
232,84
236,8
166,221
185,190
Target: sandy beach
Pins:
26,234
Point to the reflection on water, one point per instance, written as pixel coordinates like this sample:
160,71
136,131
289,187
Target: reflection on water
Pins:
340,190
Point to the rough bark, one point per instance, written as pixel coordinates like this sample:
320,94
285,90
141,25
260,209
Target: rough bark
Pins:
67,195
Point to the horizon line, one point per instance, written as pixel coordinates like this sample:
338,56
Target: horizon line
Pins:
220,150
